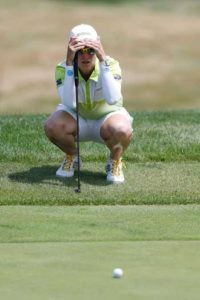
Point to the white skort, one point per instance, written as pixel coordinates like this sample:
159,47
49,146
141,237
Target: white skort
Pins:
89,130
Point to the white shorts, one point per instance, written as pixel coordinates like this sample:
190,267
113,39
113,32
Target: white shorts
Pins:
89,130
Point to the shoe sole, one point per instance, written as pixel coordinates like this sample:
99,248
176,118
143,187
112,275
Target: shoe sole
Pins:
64,176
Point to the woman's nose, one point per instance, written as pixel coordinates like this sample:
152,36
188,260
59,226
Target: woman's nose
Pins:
86,55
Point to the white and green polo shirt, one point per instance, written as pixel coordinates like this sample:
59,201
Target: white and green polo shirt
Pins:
98,96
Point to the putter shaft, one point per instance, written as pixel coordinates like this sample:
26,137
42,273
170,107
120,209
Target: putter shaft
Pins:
78,189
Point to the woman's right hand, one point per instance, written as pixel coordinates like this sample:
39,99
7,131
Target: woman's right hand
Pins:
74,45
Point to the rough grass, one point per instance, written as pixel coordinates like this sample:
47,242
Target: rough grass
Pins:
162,164
157,183
158,136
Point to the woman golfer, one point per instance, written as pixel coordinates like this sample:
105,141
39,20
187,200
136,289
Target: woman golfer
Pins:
102,117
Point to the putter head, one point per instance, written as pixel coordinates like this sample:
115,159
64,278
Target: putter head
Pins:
77,190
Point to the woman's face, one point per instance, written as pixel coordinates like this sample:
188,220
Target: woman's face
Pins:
86,60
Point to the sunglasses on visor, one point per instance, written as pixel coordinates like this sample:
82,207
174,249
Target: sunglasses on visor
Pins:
86,50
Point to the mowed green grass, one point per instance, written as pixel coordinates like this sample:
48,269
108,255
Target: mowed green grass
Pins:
29,224
70,252
81,271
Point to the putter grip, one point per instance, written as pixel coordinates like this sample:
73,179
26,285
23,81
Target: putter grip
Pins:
76,69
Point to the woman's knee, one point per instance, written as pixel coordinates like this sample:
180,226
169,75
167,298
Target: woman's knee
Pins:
117,130
57,125
51,128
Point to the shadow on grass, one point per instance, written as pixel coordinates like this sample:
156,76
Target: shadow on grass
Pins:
46,175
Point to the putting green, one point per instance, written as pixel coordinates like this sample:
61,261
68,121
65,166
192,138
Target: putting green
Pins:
70,252
83,270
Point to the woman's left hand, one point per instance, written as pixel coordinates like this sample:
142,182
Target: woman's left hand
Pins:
98,48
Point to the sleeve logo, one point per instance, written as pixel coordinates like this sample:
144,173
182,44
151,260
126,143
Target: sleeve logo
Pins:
70,72
117,77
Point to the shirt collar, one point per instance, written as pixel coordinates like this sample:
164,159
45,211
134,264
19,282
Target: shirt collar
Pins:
95,74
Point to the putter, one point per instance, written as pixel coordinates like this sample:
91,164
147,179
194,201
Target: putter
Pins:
78,188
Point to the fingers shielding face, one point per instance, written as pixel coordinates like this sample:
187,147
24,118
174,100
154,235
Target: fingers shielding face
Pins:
97,46
76,44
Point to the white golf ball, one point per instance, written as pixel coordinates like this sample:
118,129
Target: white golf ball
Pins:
117,273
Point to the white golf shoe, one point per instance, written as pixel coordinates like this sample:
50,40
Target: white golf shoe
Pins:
67,167
114,171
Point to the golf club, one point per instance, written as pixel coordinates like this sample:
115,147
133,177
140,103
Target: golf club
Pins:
78,188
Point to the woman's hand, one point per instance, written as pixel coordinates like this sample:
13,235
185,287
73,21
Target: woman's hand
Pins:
98,48
74,45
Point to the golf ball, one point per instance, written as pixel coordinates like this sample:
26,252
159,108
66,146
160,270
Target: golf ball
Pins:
117,273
